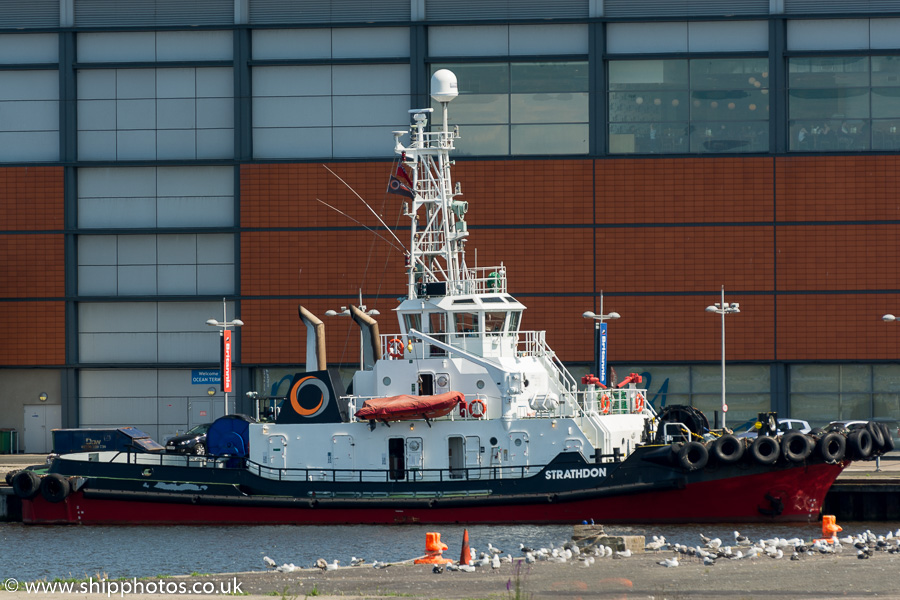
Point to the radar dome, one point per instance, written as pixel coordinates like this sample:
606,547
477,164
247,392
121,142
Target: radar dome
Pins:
443,86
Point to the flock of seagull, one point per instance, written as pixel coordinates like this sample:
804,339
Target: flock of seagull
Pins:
589,550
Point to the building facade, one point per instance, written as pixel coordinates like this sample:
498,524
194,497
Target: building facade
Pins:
163,163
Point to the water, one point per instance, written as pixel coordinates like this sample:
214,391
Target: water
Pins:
35,552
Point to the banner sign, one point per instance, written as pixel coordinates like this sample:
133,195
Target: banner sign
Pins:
602,373
226,361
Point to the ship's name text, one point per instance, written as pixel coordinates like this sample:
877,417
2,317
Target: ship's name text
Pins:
576,473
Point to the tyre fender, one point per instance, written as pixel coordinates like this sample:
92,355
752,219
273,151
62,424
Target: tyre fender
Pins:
889,444
55,487
26,484
860,442
765,450
728,449
693,456
832,446
874,430
796,446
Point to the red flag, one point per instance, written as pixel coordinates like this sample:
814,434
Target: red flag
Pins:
395,186
401,171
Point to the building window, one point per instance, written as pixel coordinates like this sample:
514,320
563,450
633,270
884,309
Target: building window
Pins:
823,393
504,108
844,103
678,106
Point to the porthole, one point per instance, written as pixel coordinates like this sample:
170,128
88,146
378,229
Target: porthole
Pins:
386,381
414,445
518,442
479,384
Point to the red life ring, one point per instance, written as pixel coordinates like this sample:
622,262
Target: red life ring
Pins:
478,414
639,403
604,404
395,349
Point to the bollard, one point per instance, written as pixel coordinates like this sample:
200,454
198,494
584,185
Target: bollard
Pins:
434,549
830,529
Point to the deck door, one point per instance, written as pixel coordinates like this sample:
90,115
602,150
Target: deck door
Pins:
342,457
414,457
473,456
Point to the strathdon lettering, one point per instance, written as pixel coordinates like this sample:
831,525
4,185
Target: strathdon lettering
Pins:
576,473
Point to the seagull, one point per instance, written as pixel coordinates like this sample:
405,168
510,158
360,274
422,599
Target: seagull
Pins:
331,566
669,562
467,568
741,539
494,550
437,569
626,553
286,568
271,564
714,543
709,561
704,539
355,562
321,563
862,554
495,562
380,565
525,549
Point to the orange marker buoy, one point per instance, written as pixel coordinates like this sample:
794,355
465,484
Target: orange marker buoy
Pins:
466,554
434,548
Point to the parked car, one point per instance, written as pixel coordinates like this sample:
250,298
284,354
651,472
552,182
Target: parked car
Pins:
784,425
192,442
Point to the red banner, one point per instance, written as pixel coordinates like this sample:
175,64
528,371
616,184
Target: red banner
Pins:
226,361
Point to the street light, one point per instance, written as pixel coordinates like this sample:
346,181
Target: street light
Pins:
600,337
225,334
889,318
345,312
723,309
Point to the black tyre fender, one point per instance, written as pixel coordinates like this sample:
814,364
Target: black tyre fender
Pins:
832,446
889,444
693,456
10,475
874,430
26,484
765,450
860,442
55,487
796,446
728,449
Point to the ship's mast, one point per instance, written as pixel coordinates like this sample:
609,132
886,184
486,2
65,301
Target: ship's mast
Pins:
437,222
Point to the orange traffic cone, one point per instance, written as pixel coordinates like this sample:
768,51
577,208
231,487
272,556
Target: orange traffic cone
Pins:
466,556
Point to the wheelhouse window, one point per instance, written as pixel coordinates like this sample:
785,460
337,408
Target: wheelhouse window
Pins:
677,106
520,108
413,322
465,322
493,321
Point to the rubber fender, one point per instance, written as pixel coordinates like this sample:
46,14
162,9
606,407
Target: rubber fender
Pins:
664,455
796,446
860,442
889,444
693,456
877,435
728,449
26,484
832,447
765,450
10,475
54,487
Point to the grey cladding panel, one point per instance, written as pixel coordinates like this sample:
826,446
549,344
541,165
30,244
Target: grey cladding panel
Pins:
482,10
107,13
328,11
35,13
825,7
684,8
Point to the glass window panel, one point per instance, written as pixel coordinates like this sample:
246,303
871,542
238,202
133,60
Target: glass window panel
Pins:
886,405
465,322
475,109
707,379
483,139
648,138
633,107
818,409
529,78
885,71
886,134
886,378
549,108
493,321
730,137
855,406
648,74
814,378
549,139
830,103
733,105
479,78
841,71
886,102
856,378
514,318
729,73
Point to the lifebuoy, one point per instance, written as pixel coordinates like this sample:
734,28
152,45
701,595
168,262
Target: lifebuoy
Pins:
395,349
639,403
832,446
54,487
604,404
693,456
765,450
860,441
26,484
728,449
796,446
481,410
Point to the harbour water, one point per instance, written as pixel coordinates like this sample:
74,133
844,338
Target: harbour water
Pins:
38,552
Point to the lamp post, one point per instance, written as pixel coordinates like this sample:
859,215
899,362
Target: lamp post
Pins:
600,337
345,312
225,334
723,309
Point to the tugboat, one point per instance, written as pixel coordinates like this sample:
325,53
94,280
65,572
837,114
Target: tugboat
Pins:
462,417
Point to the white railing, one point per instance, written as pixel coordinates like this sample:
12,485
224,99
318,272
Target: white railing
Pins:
521,344
461,413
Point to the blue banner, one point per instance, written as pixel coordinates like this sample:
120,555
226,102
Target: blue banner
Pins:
602,373
206,376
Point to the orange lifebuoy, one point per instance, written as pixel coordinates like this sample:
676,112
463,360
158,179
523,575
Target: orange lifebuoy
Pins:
480,412
395,349
639,403
604,404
